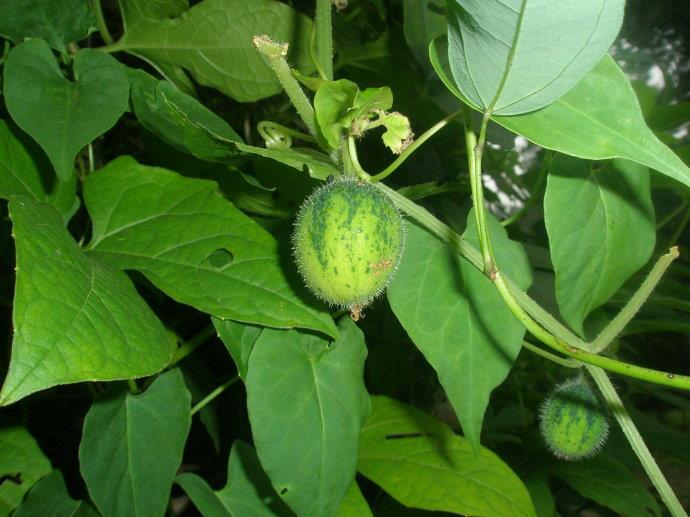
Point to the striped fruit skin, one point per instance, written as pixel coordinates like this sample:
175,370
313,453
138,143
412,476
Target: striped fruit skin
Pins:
347,241
572,421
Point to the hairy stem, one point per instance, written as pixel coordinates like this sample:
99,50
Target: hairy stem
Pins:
551,357
628,312
275,53
354,160
324,38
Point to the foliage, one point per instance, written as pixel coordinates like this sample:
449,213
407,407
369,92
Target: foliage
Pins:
161,353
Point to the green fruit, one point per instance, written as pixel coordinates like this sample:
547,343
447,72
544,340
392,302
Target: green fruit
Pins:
347,241
573,421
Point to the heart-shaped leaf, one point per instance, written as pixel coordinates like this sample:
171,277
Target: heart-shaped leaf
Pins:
61,115
75,319
515,56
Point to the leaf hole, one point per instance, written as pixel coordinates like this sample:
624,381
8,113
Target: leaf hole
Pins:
11,478
219,258
283,490
408,435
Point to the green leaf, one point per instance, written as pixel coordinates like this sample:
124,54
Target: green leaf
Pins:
72,21
132,446
332,102
194,245
307,404
188,125
24,171
23,461
424,21
151,9
50,497
213,41
179,119
239,339
248,491
516,56
457,319
609,483
663,118
63,116
354,504
75,319
601,230
599,118
419,461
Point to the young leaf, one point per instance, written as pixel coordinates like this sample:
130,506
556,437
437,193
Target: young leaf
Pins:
419,461
75,319
601,230
50,497
608,482
248,491
398,134
213,41
25,171
72,21
239,339
307,404
599,118
456,318
22,461
63,116
194,245
132,446
332,102
517,56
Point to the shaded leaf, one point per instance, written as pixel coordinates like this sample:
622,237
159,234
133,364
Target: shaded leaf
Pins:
599,118
457,319
419,461
239,339
354,504
132,446
61,115
248,491
332,102
516,56
22,19
75,319
213,41
24,171
307,404
601,230
608,482
193,245
424,21
22,464
50,497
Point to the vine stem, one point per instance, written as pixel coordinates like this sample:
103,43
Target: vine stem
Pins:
211,396
100,22
275,53
324,39
192,344
414,145
636,301
569,363
354,160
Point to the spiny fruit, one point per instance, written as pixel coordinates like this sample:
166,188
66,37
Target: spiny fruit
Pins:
573,421
347,242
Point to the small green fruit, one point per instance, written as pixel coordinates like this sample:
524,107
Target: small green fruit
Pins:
347,241
572,421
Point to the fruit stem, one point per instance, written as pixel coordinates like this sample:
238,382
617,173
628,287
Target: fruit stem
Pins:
324,39
636,301
352,153
211,396
636,441
414,145
275,53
